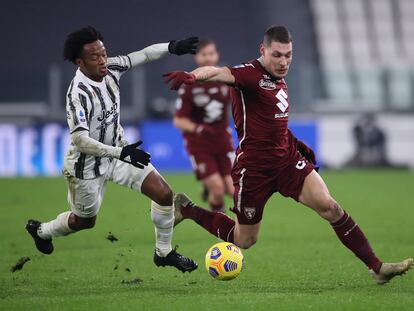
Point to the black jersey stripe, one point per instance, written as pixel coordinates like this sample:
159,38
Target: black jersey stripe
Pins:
80,166
130,63
83,101
72,106
118,68
111,92
102,132
113,98
84,88
114,78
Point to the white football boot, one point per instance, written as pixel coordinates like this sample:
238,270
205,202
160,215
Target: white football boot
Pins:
390,270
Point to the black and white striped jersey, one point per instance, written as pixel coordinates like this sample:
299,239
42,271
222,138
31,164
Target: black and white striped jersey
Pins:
95,107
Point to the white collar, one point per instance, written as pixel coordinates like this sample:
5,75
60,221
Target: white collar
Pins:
89,81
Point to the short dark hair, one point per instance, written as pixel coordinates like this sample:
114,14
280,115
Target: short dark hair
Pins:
278,34
203,43
75,41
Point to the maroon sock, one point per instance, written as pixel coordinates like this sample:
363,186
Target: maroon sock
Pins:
217,207
217,224
353,238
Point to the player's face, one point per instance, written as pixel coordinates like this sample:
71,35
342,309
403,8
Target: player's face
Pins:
207,56
276,58
93,60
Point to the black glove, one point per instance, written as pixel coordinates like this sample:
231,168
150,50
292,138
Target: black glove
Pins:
137,157
186,46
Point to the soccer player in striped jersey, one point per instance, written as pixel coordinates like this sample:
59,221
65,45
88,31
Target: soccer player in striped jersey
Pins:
270,159
99,151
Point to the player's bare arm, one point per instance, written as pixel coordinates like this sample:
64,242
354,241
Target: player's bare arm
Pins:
213,74
185,124
201,74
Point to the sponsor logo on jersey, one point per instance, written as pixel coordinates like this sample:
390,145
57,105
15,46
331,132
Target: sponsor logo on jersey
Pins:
106,114
283,104
249,212
300,165
281,115
267,85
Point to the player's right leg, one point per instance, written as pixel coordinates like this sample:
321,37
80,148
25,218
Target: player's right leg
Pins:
217,223
85,198
250,196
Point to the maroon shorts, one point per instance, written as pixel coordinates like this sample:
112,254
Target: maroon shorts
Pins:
205,164
253,189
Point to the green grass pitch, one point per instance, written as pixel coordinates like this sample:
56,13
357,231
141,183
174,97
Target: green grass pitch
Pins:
297,264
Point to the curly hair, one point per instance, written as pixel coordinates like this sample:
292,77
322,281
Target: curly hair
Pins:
75,41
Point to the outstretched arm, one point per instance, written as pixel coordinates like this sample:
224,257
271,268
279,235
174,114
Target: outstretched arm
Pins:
213,74
159,50
201,74
148,54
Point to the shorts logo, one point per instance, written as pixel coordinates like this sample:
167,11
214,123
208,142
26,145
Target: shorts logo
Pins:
267,85
301,164
249,212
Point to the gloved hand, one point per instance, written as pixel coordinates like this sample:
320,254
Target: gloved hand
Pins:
186,46
177,78
132,155
306,151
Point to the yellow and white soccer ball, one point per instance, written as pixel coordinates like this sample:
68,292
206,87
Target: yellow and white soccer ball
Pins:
224,261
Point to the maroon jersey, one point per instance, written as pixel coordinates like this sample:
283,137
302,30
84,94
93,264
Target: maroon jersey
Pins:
206,104
260,112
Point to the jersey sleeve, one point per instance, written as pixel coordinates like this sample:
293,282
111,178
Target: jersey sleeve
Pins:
183,104
245,76
78,107
118,65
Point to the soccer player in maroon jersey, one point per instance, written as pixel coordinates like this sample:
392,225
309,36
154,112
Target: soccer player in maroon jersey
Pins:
202,116
270,159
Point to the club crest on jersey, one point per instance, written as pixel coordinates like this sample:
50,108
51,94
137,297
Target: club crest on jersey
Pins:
300,165
267,85
249,212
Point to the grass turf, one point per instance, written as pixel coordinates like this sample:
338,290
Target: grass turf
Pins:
298,264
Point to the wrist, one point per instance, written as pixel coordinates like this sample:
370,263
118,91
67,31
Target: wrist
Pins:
171,45
116,152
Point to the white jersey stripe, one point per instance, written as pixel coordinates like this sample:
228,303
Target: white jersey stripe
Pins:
244,125
239,194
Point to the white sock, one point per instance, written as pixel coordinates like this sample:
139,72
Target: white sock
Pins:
163,219
56,227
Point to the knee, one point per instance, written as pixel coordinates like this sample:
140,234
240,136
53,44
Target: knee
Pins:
247,242
330,210
165,196
217,190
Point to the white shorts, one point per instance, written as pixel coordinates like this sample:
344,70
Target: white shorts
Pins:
85,195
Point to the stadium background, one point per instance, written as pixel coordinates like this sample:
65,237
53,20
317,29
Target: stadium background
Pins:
353,63
350,58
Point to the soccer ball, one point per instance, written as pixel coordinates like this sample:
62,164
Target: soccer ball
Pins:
224,261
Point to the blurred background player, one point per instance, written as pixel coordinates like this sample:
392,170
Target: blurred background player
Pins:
202,116
99,151
270,159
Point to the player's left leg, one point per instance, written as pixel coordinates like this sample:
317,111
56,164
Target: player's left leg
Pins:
153,185
315,194
216,191
228,182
